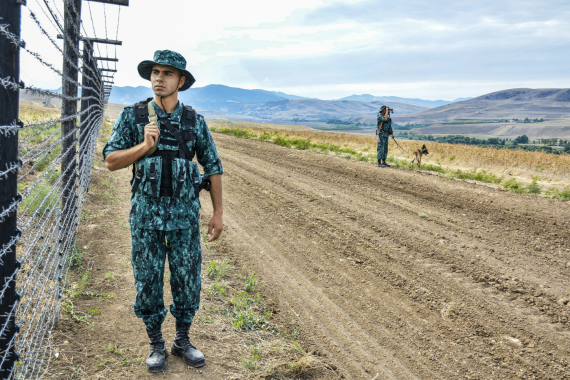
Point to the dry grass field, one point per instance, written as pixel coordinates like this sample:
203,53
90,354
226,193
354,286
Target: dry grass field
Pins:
548,171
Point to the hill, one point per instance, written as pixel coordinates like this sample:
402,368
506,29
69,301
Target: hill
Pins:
414,101
518,103
305,109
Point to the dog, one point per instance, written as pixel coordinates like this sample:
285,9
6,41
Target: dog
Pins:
417,155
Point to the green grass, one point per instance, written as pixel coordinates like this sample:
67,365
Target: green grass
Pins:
218,269
250,283
235,132
248,320
514,186
40,200
250,362
216,289
481,176
45,162
434,168
557,193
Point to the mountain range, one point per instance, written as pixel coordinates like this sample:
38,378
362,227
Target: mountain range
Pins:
415,101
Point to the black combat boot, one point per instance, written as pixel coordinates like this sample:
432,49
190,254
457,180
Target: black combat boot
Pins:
380,165
183,348
385,164
156,361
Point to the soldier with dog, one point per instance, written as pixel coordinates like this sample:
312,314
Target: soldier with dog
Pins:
160,137
384,130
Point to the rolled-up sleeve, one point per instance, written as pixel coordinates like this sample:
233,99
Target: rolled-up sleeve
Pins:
124,132
206,151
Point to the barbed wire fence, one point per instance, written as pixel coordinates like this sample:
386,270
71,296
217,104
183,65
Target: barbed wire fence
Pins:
45,168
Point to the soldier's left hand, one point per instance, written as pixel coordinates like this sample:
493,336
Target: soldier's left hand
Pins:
216,226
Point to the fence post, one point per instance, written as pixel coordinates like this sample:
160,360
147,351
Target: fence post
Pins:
86,118
72,20
9,105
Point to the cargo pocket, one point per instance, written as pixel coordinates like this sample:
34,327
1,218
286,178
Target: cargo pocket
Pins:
186,179
151,170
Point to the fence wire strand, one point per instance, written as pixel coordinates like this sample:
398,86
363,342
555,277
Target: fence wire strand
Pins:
53,179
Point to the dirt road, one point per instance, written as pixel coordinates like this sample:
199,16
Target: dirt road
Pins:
400,273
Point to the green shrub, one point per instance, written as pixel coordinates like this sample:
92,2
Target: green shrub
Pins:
514,186
216,289
534,188
282,141
265,136
218,269
555,193
250,283
248,320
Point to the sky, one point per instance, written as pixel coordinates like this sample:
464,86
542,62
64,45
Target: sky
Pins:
327,49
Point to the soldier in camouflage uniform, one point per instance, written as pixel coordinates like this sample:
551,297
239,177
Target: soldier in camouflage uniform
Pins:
383,131
165,207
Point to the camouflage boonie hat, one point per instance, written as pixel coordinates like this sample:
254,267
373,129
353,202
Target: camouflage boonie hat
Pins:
383,108
167,58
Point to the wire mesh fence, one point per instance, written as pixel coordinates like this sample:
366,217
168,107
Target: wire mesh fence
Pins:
46,157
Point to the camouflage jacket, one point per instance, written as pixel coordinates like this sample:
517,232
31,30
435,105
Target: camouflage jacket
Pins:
164,212
386,125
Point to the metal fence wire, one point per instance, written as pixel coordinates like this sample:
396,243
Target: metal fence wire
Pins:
45,167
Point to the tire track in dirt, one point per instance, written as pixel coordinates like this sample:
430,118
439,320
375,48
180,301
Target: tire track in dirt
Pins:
341,244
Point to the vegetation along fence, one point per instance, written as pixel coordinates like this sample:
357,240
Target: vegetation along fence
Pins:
45,166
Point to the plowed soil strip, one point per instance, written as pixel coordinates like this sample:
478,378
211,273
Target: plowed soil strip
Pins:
403,274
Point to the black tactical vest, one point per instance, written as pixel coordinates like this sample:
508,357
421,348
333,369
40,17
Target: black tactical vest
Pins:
175,138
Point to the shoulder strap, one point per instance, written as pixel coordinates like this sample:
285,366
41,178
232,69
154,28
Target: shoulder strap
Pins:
142,111
189,117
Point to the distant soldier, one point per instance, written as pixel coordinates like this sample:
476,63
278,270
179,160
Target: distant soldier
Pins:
383,131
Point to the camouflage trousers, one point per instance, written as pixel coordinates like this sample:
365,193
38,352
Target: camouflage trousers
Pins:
149,250
382,147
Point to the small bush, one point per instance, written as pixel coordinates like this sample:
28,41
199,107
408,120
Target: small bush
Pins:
250,283
556,193
218,269
248,320
514,186
281,141
251,361
534,188
216,289
265,136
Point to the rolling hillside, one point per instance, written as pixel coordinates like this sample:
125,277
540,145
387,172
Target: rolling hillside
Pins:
519,103
414,101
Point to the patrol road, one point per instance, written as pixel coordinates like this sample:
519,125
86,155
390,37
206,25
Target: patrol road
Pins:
401,273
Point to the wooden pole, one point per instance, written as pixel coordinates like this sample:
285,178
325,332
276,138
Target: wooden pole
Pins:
72,19
10,14
87,117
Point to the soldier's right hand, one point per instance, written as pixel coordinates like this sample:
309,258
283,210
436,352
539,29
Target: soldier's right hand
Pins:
151,133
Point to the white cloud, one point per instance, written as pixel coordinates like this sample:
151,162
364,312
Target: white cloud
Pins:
437,49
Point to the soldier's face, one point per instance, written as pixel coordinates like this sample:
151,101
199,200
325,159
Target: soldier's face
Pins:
165,80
